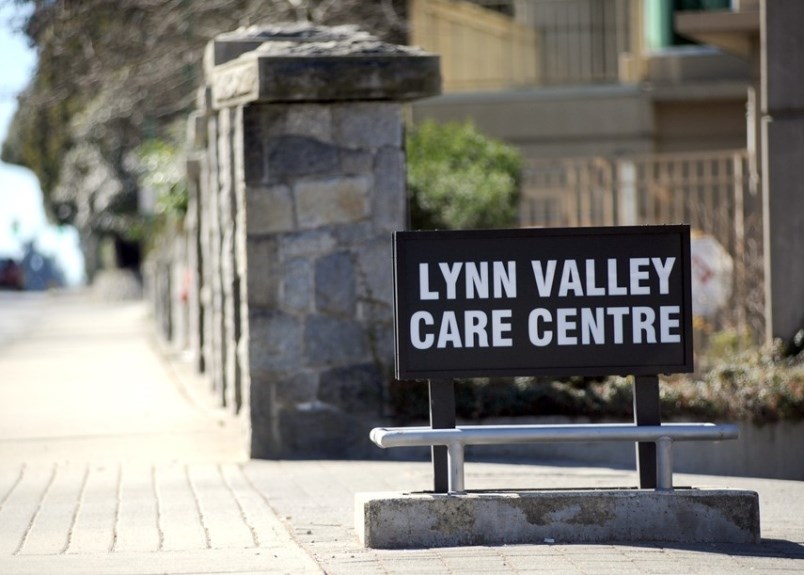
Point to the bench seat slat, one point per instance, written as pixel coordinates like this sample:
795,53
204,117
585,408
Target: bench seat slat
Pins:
455,439
505,434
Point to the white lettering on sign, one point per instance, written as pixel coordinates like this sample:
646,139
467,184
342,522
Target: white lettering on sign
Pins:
419,320
663,270
475,329
470,329
500,326
539,336
570,280
592,326
666,323
476,284
588,323
424,284
591,288
449,334
544,278
638,275
477,280
451,277
571,283
614,289
504,279
563,326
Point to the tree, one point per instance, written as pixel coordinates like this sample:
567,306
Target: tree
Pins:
112,75
460,179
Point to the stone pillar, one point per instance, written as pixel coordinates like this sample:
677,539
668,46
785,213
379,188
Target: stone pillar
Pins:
195,248
318,186
783,164
230,278
212,202
199,142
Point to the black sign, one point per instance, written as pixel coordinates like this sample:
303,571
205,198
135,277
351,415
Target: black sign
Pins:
580,301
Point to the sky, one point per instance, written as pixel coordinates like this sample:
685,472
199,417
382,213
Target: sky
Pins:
22,215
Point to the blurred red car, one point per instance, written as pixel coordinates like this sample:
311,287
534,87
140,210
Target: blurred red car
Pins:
11,275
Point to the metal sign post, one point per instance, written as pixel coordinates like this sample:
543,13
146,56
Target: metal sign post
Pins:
646,412
442,416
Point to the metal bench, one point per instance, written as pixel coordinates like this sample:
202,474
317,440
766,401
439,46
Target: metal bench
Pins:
456,438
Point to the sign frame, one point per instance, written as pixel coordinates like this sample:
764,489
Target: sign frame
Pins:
406,244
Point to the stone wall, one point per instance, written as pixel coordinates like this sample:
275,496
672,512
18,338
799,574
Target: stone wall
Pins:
300,171
324,191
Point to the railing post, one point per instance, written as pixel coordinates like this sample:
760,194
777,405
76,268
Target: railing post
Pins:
455,457
664,464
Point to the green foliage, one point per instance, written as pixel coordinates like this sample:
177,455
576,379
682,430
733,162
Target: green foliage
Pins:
111,75
160,169
461,179
38,137
727,344
756,384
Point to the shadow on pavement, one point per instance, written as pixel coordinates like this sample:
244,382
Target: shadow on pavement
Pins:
771,548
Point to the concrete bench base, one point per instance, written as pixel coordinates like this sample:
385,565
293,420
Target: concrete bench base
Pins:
416,520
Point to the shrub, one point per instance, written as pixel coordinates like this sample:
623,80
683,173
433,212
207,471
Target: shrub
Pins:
756,385
461,179
760,385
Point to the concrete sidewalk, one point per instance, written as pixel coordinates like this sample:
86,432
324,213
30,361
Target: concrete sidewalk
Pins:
113,460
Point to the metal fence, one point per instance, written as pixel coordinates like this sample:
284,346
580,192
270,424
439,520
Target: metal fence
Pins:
712,191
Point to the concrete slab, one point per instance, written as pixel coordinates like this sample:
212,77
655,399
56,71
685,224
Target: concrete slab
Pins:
416,520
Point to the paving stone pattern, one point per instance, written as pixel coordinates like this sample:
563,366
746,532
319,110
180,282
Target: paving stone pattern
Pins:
69,508
148,478
317,496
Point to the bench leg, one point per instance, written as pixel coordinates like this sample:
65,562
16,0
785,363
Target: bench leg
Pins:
455,451
664,464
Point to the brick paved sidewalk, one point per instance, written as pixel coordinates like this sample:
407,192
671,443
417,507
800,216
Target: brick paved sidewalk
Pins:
297,517
317,497
111,461
138,518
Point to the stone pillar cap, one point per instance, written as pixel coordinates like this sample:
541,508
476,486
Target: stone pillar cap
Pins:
292,31
229,45
308,63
